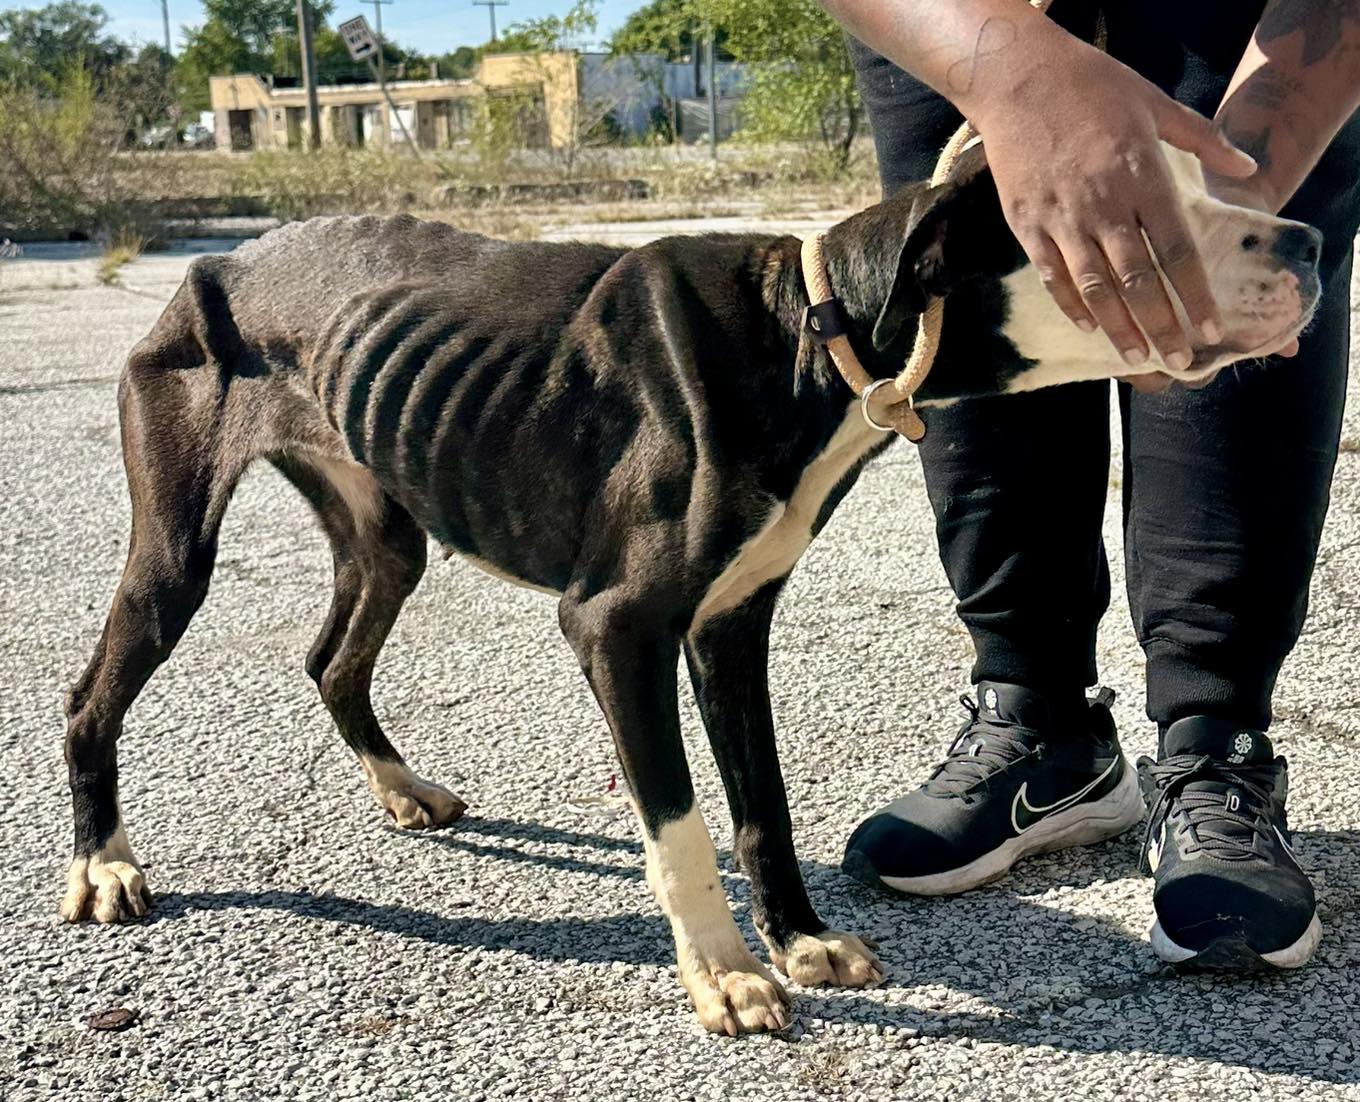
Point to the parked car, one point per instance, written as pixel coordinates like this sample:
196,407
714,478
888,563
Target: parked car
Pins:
197,136
156,137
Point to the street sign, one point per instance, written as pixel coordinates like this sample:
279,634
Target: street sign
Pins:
359,40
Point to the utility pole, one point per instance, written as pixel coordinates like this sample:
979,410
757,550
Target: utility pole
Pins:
165,19
304,16
712,96
377,19
491,6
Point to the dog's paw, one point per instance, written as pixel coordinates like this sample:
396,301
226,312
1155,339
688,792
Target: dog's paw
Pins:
744,999
422,806
411,803
108,887
831,957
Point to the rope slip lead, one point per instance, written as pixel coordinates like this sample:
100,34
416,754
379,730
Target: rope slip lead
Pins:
887,403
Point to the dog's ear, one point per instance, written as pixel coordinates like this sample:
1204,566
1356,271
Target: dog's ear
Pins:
921,270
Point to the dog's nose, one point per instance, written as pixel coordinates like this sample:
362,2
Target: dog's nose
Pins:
1298,245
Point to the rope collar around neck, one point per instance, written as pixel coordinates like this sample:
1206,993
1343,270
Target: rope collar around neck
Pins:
887,403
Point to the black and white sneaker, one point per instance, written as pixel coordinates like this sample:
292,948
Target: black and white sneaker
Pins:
1016,782
1229,893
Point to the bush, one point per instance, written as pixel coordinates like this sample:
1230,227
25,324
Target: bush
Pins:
334,181
56,157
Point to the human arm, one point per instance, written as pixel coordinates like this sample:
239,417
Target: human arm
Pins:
1297,83
1072,138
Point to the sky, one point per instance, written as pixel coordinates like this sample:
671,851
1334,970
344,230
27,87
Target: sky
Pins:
428,26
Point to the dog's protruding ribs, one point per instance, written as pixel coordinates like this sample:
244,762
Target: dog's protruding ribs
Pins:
374,354
442,479
336,356
390,395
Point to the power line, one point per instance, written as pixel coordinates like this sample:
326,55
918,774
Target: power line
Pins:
491,6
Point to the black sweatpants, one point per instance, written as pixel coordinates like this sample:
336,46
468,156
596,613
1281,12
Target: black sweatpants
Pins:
1225,488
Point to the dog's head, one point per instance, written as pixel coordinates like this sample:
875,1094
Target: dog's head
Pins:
1002,331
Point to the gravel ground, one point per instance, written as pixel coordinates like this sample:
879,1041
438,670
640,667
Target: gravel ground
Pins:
301,949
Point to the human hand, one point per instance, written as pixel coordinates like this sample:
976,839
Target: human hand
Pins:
1073,147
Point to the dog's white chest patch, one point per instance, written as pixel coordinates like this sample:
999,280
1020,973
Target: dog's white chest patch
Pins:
772,552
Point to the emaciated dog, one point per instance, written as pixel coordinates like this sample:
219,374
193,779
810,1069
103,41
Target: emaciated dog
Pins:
651,435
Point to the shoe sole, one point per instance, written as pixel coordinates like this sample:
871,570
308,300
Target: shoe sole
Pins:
1233,954
1082,825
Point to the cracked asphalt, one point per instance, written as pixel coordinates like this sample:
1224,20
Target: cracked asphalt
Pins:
302,949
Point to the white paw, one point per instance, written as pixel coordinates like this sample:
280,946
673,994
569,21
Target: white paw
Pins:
831,957
741,999
411,803
108,886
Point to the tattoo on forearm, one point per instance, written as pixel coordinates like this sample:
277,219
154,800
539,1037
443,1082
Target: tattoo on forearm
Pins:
1255,142
1323,23
992,37
1270,90
1283,99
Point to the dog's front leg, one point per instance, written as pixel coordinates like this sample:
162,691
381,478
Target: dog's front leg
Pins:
728,659
632,670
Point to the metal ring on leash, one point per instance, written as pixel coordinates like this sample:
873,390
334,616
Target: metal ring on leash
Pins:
864,405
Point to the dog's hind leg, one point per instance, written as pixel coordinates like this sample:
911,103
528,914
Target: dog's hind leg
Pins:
630,662
728,659
379,557
182,465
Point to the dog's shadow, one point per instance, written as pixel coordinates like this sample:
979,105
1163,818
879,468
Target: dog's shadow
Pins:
1043,974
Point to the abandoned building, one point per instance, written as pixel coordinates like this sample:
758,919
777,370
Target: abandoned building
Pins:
554,98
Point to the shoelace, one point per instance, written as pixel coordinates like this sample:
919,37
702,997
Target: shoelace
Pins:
1208,813
1001,743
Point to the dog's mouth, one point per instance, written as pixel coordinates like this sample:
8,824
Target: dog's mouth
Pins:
1209,360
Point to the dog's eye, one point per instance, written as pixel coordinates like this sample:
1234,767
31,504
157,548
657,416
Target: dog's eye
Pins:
1250,242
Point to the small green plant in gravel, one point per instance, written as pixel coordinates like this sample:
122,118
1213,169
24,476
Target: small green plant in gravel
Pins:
124,247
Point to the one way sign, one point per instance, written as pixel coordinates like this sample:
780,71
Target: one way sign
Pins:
359,40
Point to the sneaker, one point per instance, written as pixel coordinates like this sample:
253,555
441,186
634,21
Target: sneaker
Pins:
1015,782
1229,893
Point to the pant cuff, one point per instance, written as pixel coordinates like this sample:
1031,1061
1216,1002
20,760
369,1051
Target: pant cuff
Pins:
1181,683
1060,668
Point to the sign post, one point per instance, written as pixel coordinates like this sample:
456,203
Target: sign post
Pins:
304,18
362,46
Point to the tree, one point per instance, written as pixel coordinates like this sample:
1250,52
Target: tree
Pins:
802,83
257,22
241,36
460,64
665,27
551,32
146,86
209,50
37,46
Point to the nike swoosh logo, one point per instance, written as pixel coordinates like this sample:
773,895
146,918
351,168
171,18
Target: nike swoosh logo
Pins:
1154,853
1024,814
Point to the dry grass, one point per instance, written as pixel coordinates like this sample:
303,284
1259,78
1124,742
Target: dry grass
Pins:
138,191
494,222
123,248
680,181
